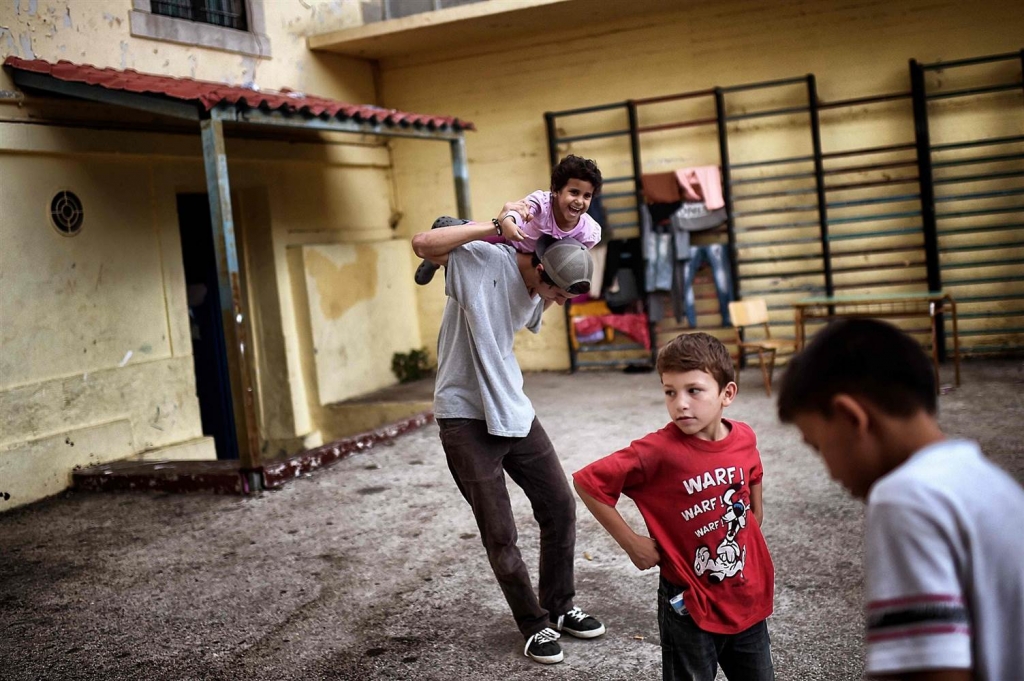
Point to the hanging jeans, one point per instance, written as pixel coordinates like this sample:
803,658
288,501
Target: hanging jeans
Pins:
717,256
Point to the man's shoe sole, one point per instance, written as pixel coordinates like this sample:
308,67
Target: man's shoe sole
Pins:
593,633
425,272
447,221
547,659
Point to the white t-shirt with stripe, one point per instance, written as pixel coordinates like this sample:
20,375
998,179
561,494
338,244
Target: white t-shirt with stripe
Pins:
944,558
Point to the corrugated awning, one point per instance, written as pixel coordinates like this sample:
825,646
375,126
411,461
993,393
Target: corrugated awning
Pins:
211,97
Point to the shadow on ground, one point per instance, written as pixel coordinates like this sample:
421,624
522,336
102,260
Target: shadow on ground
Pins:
373,568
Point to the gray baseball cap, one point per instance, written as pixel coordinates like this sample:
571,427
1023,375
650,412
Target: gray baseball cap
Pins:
567,262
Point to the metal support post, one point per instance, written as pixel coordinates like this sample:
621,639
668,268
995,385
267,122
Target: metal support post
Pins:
460,171
819,183
638,189
730,222
232,296
927,185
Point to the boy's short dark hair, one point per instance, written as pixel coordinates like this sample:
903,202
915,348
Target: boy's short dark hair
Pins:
862,357
700,351
574,167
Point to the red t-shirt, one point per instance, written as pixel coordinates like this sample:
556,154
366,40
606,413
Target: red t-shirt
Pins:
694,496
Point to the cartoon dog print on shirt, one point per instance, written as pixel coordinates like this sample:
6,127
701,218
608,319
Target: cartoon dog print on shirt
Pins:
730,558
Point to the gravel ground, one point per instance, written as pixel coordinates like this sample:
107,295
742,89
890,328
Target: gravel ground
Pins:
373,569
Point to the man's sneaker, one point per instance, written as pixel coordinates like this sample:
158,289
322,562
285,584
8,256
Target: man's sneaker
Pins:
425,272
543,647
579,624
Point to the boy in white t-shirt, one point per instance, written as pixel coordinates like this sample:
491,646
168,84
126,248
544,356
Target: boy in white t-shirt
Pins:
560,213
944,556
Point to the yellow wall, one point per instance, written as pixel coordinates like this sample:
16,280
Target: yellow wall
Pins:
854,49
72,308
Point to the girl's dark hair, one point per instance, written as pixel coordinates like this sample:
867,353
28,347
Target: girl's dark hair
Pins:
866,358
574,167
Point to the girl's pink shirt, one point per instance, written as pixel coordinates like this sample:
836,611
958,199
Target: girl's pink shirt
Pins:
587,231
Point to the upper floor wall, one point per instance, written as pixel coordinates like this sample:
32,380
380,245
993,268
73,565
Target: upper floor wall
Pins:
128,34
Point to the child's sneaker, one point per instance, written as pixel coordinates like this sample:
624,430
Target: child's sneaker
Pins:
579,624
425,272
543,647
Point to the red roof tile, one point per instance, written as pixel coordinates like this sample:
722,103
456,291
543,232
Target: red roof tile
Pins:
209,95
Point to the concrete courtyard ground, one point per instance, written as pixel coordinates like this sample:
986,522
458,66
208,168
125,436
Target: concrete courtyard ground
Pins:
373,569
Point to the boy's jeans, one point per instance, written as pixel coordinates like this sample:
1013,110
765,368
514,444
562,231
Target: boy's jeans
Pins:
478,461
689,653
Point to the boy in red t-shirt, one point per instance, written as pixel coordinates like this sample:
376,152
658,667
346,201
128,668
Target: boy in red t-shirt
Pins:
697,484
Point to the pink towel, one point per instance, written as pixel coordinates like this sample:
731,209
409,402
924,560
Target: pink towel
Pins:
703,183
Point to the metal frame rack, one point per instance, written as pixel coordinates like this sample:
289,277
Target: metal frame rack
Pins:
669,125
971,191
882,218
780,242
618,196
872,202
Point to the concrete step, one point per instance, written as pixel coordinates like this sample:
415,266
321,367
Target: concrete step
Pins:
217,477
227,476
199,449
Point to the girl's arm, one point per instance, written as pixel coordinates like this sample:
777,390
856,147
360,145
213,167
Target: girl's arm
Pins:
513,218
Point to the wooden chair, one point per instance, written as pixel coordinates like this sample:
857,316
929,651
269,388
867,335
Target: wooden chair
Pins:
754,312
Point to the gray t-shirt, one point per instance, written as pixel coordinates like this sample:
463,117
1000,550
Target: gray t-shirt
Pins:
478,376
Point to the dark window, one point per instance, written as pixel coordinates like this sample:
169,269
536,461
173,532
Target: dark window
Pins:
227,13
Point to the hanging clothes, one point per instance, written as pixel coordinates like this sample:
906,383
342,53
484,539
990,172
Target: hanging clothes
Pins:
633,325
693,217
702,184
695,203
716,255
661,188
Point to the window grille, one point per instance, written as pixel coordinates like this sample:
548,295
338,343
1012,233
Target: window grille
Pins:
226,13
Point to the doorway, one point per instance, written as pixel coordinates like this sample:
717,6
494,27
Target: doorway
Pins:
206,320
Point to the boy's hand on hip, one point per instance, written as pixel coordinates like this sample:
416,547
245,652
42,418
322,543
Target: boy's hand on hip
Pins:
644,552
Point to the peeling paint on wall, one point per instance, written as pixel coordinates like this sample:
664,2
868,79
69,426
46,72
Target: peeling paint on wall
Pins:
324,16
26,46
341,288
249,65
12,47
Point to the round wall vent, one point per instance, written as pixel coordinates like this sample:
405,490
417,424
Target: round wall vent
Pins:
66,213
